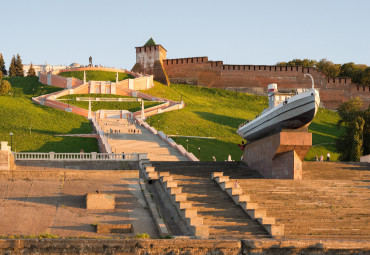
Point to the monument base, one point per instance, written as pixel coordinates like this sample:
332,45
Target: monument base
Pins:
100,201
6,157
279,156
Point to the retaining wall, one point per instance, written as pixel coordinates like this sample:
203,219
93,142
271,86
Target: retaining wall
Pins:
179,246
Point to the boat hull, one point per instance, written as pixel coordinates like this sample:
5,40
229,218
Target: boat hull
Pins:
295,114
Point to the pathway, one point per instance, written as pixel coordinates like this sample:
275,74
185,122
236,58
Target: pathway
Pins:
142,141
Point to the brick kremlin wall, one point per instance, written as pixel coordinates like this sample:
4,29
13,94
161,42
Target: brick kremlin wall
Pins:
255,78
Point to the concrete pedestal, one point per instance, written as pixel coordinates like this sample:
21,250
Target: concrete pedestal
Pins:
100,201
279,156
6,157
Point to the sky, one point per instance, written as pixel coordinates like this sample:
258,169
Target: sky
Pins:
260,32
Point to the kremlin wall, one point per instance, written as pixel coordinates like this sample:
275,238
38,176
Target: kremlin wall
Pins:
151,59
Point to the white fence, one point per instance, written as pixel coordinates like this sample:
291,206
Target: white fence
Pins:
79,156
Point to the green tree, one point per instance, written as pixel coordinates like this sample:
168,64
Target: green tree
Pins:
19,66
31,72
365,79
2,65
358,129
4,87
299,62
328,68
12,67
357,122
352,70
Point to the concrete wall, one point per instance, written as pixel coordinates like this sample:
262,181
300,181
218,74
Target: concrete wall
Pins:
279,156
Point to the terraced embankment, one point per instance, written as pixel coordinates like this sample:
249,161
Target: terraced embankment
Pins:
331,202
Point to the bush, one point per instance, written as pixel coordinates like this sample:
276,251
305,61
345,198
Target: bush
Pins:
4,87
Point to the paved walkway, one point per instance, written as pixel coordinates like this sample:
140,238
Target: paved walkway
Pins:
142,141
42,202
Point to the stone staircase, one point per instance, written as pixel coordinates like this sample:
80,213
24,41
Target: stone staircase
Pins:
144,142
217,210
331,202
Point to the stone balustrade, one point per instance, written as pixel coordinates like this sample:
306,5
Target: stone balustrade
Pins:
78,156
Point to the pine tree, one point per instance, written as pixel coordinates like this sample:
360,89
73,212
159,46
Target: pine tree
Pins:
19,66
12,68
31,72
2,65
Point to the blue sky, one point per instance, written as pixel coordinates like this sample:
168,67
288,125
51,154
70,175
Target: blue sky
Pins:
237,32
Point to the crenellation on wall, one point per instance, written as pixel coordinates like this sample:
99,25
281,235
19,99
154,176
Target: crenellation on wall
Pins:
249,78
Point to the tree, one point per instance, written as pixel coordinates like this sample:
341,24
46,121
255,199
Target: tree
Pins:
19,66
352,70
31,72
12,67
299,62
365,79
358,129
355,141
328,68
2,65
4,87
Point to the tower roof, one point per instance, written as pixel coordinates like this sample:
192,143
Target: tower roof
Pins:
150,42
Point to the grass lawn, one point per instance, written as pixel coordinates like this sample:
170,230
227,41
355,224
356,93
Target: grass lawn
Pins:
218,113
18,115
27,87
95,106
97,75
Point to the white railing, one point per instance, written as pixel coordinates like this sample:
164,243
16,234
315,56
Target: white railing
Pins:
79,156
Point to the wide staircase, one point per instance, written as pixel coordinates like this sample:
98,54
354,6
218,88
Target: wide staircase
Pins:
142,141
331,202
224,218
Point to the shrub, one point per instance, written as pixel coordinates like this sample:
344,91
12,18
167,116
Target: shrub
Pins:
4,87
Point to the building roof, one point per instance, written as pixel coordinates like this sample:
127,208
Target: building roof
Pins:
75,65
150,42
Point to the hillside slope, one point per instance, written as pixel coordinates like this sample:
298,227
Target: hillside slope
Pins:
34,126
218,113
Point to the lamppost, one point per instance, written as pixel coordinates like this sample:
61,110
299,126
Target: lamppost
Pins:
199,153
181,96
11,141
187,145
166,132
33,92
158,125
42,89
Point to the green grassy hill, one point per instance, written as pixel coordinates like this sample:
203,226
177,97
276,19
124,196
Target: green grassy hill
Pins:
95,106
35,127
209,113
218,113
97,75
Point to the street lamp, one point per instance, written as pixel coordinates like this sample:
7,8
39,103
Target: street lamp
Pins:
166,132
33,92
11,141
158,125
187,145
199,153
42,89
